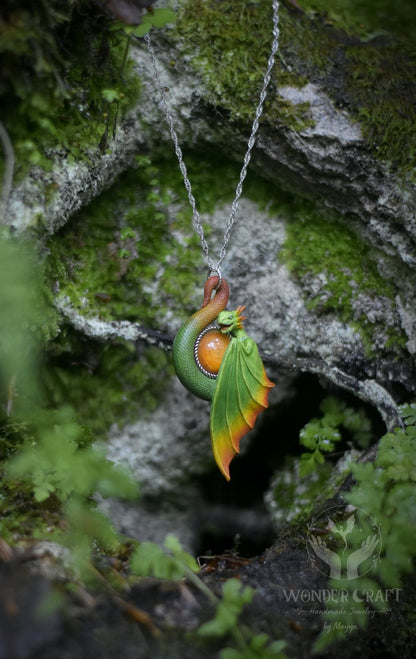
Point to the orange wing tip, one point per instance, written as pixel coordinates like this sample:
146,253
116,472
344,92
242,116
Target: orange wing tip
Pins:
265,382
225,470
261,396
225,450
223,456
226,445
223,464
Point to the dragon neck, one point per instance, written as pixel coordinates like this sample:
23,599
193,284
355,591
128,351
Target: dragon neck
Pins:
183,346
211,307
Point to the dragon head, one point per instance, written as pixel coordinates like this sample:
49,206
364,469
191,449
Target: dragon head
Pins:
229,321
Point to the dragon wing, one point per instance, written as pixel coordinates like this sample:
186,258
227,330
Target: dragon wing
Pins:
240,395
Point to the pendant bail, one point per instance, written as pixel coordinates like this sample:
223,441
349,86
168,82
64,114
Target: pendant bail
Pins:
216,270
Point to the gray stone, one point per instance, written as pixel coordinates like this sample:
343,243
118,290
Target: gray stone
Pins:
327,161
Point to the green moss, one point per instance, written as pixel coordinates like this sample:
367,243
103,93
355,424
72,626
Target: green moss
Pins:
108,257
388,113
291,497
229,45
105,383
213,178
122,251
365,18
335,266
337,270
64,80
23,518
372,78
113,261
105,259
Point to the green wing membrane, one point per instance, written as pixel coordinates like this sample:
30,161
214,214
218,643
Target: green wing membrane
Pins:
241,393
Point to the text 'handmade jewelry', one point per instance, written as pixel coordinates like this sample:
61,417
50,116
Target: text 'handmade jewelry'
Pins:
221,364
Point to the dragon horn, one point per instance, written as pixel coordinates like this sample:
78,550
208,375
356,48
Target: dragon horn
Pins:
240,316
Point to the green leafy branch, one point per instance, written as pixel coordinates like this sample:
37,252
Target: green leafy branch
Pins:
172,562
59,469
55,464
226,621
51,471
321,436
385,490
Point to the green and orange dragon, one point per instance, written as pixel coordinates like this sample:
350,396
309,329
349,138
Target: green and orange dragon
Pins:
221,363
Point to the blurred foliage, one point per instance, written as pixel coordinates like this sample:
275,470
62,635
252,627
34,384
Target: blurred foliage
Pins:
169,562
234,597
159,18
384,492
65,77
172,562
27,321
229,44
367,19
57,463
50,470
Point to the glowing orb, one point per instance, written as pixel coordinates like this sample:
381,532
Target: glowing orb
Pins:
211,350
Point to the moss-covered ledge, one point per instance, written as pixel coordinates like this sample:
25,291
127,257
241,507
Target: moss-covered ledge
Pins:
322,87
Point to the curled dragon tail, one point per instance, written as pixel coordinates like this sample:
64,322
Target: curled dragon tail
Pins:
190,374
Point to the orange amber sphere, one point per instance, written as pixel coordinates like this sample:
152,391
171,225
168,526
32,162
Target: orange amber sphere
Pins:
211,350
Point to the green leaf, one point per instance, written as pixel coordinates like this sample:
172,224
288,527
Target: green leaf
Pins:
333,410
124,253
173,545
162,17
149,559
230,653
327,438
234,597
110,95
91,524
42,492
258,648
128,232
142,29
408,412
309,461
309,434
56,463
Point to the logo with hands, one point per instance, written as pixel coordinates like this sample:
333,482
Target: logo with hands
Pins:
344,542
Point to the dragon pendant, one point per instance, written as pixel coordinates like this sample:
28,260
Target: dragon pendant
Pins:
222,364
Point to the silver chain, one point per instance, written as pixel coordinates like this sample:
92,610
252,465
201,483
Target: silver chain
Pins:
197,224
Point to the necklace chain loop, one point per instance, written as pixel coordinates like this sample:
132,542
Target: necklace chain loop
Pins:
196,218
